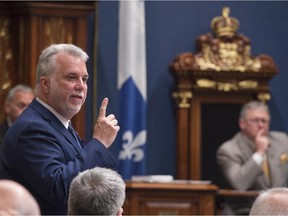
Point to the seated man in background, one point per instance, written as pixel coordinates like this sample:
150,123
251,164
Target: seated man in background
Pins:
98,191
16,200
18,98
255,158
274,201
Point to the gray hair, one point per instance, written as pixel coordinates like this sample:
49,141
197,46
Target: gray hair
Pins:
98,191
47,61
273,201
18,88
251,106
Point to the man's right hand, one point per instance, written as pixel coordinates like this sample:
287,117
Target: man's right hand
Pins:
262,142
106,127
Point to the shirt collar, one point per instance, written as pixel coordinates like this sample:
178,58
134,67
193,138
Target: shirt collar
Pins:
9,122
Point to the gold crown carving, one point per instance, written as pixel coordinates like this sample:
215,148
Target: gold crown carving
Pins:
225,25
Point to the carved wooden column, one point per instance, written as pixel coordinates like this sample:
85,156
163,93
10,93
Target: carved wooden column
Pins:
218,79
29,27
183,98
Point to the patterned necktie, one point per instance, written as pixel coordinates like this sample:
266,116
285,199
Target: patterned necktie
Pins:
74,134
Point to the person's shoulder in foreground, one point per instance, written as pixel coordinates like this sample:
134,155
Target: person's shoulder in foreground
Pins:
98,191
273,201
16,200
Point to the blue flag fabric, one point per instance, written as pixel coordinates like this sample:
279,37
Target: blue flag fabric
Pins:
132,136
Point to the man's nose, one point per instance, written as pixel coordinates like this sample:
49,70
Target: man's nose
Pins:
80,84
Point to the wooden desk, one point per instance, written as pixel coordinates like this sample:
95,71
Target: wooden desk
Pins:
237,193
169,199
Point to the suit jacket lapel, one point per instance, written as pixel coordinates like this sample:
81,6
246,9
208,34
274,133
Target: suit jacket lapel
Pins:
246,146
55,122
247,154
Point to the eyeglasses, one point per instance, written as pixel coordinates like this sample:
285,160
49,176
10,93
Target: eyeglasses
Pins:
258,121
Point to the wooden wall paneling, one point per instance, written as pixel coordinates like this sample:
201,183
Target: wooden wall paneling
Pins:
183,151
6,58
36,25
183,106
195,140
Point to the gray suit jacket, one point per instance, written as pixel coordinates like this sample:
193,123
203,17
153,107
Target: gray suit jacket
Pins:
234,158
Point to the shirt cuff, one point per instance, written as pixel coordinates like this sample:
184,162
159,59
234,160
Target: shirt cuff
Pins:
258,158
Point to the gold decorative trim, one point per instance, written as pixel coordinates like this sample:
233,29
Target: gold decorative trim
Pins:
183,99
225,25
264,97
224,56
248,84
5,53
206,83
226,86
225,49
56,31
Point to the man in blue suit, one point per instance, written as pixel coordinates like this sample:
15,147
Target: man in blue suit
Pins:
39,151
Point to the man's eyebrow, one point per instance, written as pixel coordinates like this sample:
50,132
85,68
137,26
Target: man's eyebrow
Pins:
72,73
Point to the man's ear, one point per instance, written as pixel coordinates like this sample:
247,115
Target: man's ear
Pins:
7,107
242,123
120,212
45,84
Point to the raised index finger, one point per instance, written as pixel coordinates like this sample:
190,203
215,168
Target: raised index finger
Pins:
102,112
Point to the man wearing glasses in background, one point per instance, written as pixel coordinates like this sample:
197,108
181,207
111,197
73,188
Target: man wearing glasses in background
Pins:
254,159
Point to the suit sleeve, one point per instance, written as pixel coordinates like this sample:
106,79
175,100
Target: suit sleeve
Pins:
241,174
47,162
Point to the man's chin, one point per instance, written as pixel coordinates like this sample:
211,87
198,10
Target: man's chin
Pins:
73,111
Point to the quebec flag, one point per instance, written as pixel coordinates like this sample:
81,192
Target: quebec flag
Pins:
132,88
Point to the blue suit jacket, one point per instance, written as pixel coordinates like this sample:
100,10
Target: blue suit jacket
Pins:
41,154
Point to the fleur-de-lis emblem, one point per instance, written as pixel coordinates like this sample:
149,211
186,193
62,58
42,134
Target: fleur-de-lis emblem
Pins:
131,146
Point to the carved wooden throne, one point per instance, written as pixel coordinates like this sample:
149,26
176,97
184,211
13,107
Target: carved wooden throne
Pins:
210,88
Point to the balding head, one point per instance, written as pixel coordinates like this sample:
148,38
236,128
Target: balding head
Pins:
274,201
16,200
